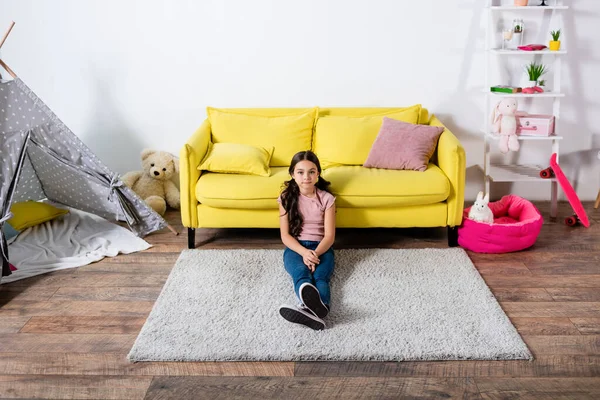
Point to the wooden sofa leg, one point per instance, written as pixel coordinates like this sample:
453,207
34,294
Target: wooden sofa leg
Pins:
191,238
452,236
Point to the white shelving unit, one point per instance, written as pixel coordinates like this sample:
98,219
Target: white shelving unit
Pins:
521,172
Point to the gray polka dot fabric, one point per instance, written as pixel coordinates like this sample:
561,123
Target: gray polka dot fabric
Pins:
29,186
42,158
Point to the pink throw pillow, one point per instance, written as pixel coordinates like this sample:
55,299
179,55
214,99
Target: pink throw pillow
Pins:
401,145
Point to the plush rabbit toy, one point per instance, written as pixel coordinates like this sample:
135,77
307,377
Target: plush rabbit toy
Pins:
504,121
480,211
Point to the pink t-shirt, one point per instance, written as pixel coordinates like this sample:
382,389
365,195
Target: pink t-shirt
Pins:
313,214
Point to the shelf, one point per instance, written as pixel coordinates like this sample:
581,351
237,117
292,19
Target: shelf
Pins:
524,52
516,173
495,136
545,94
527,8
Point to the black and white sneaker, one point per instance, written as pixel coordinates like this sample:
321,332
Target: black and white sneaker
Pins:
300,316
310,297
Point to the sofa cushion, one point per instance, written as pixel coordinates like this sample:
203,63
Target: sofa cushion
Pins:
400,145
367,111
289,133
357,186
241,191
235,158
342,140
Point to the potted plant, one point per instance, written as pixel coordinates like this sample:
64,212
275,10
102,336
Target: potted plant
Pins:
534,72
517,37
555,43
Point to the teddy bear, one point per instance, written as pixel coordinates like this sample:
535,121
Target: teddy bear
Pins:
504,121
154,184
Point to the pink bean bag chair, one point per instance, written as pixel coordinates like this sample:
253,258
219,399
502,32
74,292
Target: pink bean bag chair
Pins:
517,224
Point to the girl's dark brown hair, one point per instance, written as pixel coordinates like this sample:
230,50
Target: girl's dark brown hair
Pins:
291,191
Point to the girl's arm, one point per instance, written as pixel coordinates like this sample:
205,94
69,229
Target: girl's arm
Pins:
287,239
329,237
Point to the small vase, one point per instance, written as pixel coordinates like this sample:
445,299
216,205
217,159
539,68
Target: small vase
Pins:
554,45
516,41
521,3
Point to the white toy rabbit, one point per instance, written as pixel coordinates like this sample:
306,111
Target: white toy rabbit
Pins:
504,121
480,211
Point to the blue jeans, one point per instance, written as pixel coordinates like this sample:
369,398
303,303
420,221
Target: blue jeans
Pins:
300,273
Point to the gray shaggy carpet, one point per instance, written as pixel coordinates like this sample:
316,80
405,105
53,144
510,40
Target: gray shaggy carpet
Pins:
387,305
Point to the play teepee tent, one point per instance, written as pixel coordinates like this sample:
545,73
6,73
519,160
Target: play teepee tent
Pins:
42,159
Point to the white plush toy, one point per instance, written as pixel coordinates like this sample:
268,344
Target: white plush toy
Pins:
505,123
480,211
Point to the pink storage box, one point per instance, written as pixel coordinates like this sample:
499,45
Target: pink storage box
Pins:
535,125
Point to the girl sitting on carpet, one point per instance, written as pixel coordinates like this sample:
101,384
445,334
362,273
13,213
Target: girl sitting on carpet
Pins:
307,224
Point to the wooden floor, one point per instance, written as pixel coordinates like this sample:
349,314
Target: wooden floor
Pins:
65,335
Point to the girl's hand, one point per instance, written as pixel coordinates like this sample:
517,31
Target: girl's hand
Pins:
310,259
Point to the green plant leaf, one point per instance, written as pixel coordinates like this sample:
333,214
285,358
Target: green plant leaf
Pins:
534,70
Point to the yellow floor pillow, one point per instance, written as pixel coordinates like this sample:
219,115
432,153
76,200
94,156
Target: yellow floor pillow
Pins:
30,213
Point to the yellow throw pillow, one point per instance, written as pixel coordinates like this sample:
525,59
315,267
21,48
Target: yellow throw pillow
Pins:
347,140
30,213
289,134
235,158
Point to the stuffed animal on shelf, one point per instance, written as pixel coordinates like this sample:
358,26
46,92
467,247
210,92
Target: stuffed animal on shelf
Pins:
153,184
480,211
504,122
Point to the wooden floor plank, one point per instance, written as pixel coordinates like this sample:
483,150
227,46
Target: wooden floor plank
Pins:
116,325
113,363
8,292
587,326
302,388
540,388
65,343
502,268
551,309
155,268
521,294
574,294
77,308
67,387
567,264
542,366
544,281
570,344
141,258
107,293
544,326
12,324
94,279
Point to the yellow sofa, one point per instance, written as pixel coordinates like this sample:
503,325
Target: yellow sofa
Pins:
366,197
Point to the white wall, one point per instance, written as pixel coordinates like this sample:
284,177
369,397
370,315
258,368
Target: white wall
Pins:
129,74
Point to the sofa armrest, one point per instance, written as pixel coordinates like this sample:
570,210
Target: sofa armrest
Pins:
190,156
452,161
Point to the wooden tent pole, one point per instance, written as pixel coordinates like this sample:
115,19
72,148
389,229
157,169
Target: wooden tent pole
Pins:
2,63
6,67
7,33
